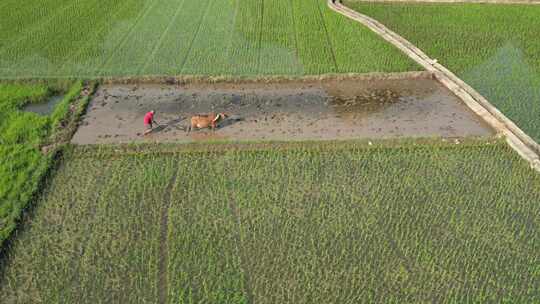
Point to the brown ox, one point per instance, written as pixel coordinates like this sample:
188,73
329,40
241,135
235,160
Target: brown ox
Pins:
202,121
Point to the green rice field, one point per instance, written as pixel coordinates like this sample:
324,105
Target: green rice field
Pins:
22,133
303,223
90,38
382,221
493,48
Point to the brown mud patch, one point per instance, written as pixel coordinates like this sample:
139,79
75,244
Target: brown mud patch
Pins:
325,109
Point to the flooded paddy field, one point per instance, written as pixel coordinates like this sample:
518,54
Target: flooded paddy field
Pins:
293,110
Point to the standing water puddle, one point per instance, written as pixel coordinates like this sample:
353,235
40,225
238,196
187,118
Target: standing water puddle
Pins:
295,110
44,108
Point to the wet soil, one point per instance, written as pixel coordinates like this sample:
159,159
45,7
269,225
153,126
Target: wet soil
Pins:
44,108
296,110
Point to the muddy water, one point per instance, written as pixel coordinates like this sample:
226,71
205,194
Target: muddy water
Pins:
44,108
331,109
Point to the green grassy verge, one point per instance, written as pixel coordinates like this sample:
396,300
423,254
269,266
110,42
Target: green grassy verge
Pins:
22,134
494,48
86,39
352,223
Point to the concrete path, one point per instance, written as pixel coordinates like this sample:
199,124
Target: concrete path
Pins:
522,143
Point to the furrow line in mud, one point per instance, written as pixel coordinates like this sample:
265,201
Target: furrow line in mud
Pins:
163,264
521,142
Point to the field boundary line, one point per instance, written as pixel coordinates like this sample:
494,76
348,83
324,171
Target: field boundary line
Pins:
161,38
240,251
125,37
196,34
530,2
163,262
522,143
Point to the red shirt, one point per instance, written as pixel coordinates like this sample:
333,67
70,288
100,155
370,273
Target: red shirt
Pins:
148,118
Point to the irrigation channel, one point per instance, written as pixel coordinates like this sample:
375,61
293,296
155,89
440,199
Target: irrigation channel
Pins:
328,109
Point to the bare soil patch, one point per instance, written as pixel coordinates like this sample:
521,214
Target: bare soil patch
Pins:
325,109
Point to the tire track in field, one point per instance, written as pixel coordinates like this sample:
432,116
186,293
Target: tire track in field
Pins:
4,4
163,263
50,44
161,38
124,39
35,28
414,269
240,252
91,41
231,37
295,35
260,42
107,176
332,51
188,53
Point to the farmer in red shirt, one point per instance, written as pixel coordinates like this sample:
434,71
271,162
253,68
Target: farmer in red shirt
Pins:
149,121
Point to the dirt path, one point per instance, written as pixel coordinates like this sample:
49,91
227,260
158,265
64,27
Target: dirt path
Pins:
297,110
